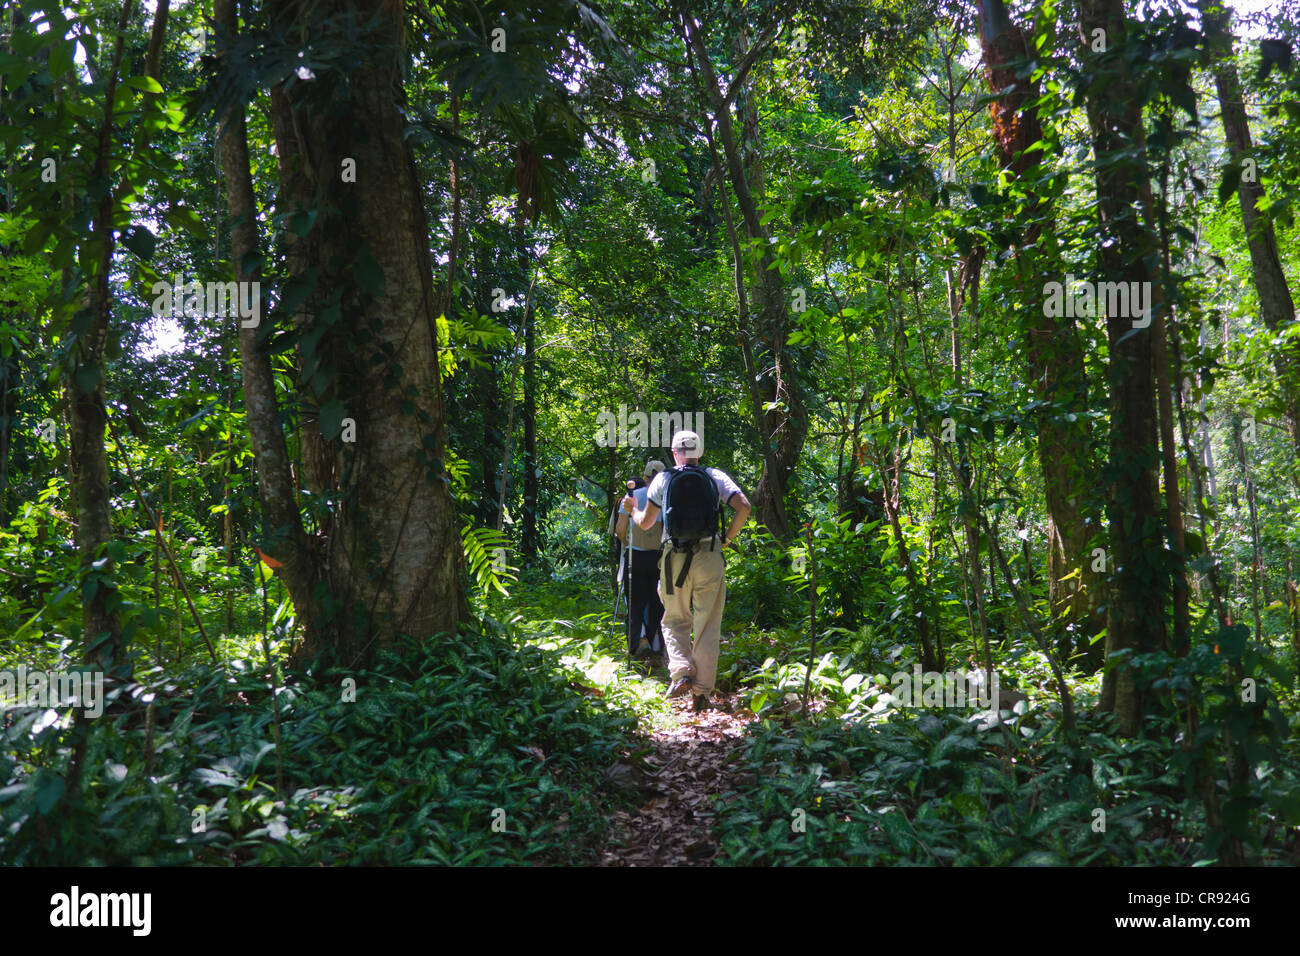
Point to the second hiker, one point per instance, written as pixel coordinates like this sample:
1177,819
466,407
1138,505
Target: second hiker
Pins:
644,637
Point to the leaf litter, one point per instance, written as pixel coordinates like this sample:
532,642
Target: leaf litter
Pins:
685,771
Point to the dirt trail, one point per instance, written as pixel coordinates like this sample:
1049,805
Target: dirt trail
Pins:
688,769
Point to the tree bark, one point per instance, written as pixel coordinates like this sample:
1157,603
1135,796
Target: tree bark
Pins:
1165,331
287,541
1135,617
530,542
393,561
1056,366
102,628
784,424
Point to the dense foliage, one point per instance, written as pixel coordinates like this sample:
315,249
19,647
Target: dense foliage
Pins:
339,550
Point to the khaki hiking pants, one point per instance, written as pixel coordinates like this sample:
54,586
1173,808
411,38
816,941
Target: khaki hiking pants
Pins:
696,603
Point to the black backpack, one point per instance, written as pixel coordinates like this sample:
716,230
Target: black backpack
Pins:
691,513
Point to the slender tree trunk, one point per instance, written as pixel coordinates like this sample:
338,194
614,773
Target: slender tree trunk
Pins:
484,386
102,630
530,539
448,300
228,518
1135,617
8,373
1194,470
931,659
612,494
1165,332
1276,306
11,364
785,423
1239,446
515,362
286,541
742,325
1207,450
228,376
103,643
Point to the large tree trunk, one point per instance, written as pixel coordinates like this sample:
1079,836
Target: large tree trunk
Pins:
1276,306
784,425
1056,367
394,556
1135,618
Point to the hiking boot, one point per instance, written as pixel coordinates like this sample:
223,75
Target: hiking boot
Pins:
642,651
679,686
700,702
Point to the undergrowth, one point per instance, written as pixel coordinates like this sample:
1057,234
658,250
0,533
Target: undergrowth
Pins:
460,750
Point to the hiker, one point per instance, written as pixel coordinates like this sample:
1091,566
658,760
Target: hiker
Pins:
692,582
618,532
644,609
620,546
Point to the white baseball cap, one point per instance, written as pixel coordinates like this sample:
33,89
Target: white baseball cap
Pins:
688,442
653,467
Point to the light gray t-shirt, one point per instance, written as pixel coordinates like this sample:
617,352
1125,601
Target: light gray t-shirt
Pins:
727,489
640,540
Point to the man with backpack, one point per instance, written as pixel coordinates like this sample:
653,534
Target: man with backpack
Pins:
641,554
692,583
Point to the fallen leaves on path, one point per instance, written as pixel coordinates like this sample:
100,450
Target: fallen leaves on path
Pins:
688,769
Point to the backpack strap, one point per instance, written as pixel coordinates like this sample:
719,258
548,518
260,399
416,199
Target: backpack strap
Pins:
689,551
722,522
686,567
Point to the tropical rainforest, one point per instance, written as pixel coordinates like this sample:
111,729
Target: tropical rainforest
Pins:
331,332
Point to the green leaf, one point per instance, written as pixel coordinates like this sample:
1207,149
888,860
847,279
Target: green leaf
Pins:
140,241
48,794
1039,858
34,241
369,274
88,378
61,59
968,805
214,778
1231,641
145,83
1228,181
296,291
331,419
184,218
300,223
97,189
63,253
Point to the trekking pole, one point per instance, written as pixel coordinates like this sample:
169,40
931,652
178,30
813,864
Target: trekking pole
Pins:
623,559
812,616
618,590
624,580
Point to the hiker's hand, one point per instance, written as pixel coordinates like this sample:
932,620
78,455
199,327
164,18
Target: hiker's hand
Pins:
628,504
